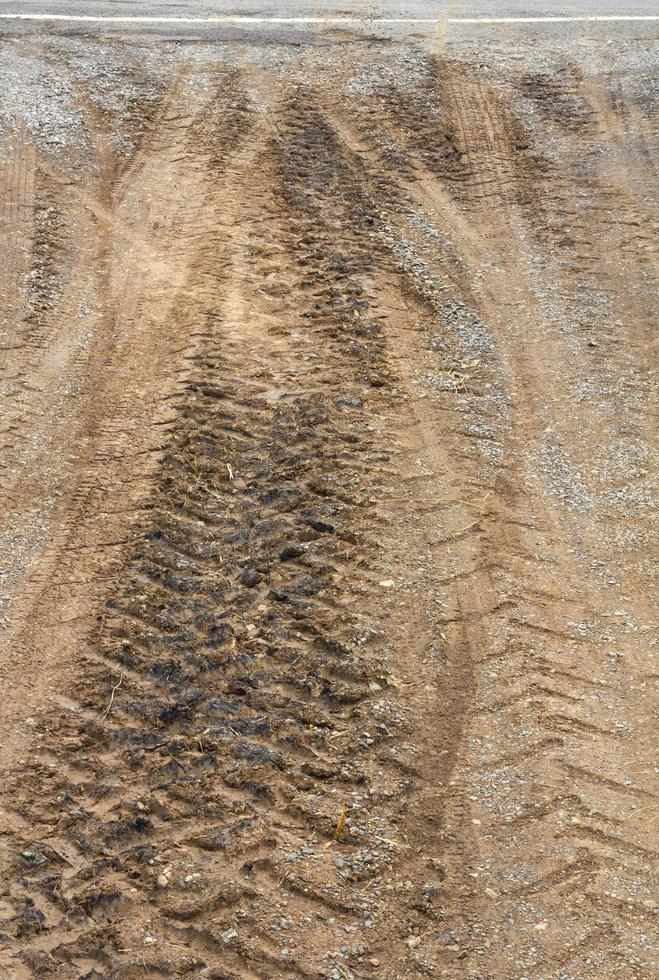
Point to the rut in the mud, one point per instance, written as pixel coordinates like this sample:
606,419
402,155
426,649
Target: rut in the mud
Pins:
228,705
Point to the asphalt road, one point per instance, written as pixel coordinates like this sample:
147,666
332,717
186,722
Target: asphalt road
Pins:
384,8
450,14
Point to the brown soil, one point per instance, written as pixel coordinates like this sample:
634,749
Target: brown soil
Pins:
325,491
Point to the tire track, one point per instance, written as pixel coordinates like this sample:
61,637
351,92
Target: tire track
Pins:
535,772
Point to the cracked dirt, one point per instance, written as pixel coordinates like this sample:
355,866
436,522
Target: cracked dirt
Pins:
326,493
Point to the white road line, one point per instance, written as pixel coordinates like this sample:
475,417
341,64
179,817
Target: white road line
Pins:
551,20
245,19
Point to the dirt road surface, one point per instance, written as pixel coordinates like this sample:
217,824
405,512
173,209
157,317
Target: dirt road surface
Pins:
326,489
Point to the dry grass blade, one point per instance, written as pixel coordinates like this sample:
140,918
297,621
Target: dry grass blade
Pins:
338,830
111,701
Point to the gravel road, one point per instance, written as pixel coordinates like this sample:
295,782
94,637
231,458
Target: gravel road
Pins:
327,488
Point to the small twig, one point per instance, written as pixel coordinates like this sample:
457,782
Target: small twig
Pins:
158,745
650,806
393,843
460,530
111,701
177,761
